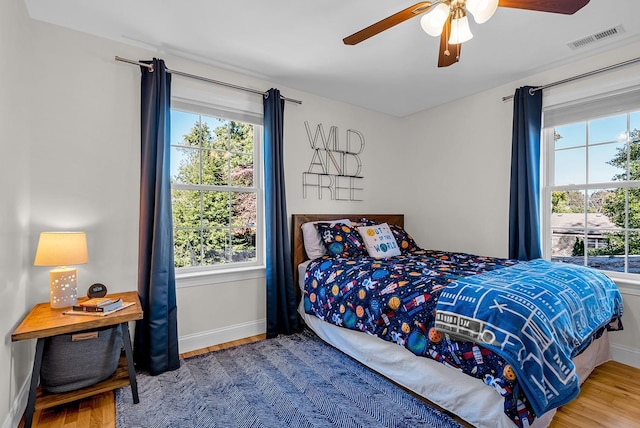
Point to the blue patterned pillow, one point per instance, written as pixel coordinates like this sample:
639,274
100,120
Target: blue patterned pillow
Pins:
404,240
340,240
366,222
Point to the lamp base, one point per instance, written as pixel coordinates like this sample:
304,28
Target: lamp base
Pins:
63,289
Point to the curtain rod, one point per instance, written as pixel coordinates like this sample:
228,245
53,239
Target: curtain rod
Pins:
580,76
205,79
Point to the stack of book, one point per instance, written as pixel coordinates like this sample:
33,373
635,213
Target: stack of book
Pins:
101,304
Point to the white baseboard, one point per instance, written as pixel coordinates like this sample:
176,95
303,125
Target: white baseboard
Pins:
19,405
625,355
217,336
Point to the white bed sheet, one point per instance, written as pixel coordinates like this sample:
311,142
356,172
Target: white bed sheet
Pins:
470,399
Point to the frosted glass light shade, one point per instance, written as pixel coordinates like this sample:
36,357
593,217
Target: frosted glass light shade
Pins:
460,31
482,10
433,22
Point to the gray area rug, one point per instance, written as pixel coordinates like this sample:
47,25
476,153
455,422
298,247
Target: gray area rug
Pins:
289,381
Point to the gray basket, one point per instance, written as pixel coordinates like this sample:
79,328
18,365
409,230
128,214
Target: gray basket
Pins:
69,364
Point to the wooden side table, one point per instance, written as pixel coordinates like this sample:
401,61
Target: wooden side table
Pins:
43,322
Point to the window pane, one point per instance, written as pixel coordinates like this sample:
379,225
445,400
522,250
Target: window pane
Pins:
186,208
216,246
568,201
608,250
185,165
244,209
567,244
241,137
633,261
616,204
215,135
216,209
187,247
215,168
634,147
570,166
573,135
241,170
607,162
633,196
608,129
243,244
605,241
598,200
182,128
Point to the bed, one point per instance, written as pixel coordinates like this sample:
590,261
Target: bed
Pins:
430,367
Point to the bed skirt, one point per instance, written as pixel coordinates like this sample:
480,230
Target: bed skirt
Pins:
471,400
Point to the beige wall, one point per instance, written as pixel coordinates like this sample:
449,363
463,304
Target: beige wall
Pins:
462,150
70,122
16,69
75,133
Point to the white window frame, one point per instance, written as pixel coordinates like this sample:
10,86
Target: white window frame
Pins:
229,272
603,105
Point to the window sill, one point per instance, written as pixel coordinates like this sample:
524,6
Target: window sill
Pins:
627,283
216,276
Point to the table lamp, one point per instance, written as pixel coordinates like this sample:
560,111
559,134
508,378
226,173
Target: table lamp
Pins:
62,249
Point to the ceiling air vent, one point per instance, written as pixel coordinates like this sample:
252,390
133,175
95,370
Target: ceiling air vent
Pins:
593,38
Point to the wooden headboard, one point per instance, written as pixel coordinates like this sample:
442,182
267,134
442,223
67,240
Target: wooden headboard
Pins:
297,220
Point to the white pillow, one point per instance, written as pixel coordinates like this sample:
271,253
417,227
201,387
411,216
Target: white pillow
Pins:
313,244
379,241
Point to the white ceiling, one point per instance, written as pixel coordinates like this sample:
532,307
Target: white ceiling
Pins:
298,43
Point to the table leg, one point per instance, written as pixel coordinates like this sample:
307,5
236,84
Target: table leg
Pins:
129,354
35,377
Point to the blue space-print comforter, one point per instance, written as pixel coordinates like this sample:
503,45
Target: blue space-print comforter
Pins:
396,299
537,316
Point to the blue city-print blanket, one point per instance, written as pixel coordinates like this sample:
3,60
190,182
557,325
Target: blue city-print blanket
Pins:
395,299
537,316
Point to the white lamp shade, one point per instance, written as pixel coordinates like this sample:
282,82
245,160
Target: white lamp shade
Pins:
460,31
482,10
61,249
433,22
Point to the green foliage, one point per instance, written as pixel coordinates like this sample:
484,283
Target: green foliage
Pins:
622,206
568,201
578,248
215,224
572,201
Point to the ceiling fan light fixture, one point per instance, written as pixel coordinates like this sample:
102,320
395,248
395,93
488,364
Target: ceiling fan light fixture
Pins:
482,10
460,31
433,21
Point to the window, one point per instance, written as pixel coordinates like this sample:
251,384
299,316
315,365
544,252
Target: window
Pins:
591,196
216,190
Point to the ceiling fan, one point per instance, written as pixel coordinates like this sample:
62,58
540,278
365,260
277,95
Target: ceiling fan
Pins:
448,19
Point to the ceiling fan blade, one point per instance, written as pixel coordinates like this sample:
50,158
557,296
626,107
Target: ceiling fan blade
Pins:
385,24
568,7
449,53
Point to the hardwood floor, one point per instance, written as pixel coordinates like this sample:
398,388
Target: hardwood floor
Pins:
610,398
99,411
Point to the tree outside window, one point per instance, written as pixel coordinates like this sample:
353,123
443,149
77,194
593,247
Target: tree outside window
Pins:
595,216
214,194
